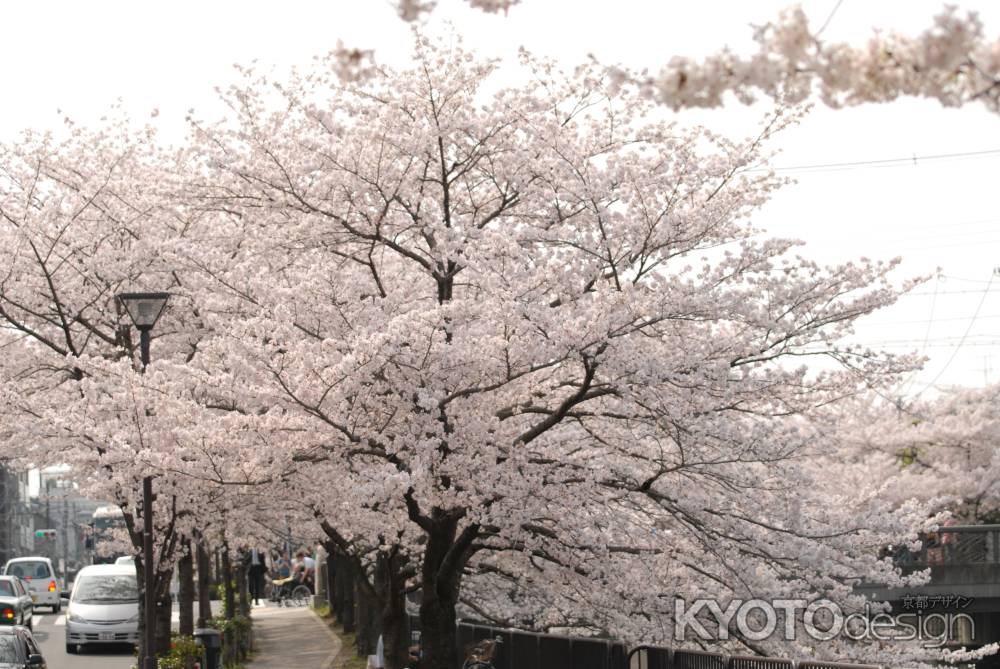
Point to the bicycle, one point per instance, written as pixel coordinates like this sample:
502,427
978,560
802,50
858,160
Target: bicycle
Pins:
482,654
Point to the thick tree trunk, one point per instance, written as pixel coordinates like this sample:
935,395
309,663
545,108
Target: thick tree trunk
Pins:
185,594
390,584
445,556
204,580
438,637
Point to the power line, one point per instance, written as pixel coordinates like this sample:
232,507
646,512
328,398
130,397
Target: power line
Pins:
958,278
878,324
948,292
829,18
911,345
883,162
972,322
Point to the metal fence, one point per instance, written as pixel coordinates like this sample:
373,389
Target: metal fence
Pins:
528,650
958,545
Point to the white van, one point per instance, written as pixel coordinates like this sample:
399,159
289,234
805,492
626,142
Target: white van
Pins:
103,607
38,573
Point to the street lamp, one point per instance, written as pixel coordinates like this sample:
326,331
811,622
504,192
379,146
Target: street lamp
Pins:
144,309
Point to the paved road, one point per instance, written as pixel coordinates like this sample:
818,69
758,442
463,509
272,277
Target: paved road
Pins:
50,633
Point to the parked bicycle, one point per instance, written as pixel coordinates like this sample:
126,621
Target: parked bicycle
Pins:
481,655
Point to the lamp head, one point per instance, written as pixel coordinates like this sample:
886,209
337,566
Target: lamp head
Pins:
144,308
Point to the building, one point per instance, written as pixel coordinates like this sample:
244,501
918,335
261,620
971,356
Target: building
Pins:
16,521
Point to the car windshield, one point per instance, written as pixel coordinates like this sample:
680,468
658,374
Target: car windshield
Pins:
8,648
28,570
7,589
107,589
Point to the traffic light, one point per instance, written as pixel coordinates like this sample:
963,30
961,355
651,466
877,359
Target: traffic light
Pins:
45,534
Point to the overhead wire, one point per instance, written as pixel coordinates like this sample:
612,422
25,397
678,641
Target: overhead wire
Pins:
958,347
881,162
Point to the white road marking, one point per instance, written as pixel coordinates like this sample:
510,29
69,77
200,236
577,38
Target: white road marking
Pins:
35,621
60,621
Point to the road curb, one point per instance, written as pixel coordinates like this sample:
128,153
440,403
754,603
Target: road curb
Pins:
330,661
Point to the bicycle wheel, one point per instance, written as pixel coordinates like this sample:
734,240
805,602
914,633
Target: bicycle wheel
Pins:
300,595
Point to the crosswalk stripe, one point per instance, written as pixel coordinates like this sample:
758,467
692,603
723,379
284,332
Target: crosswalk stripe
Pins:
35,620
60,621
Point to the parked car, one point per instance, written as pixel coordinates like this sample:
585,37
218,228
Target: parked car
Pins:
17,606
103,607
18,649
41,579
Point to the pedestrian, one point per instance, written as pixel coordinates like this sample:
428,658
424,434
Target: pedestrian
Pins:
256,571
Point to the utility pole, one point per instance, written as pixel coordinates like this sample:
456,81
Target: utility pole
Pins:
49,548
65,538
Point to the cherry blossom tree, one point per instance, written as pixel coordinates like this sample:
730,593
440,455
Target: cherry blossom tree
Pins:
537,323
528,350
82,219
953,61
942,449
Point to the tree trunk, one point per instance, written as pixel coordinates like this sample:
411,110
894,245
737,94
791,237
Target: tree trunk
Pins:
185,594
438,638
241,585
164,610
347,592
204,580
227,584
390,584
140,579
366,637
339,581
445,556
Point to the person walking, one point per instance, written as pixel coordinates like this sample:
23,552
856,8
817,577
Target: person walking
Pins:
258,567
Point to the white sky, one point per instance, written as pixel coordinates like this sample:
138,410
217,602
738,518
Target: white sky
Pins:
82,56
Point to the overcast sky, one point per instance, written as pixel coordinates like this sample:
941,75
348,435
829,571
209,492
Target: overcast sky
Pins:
935,212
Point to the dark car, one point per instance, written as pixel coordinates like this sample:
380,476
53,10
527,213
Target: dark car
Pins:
18,649
16,603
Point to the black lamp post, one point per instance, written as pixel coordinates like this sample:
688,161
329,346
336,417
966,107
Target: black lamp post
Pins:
144,309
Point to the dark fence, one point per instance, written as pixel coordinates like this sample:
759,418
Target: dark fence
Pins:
529,650
958,545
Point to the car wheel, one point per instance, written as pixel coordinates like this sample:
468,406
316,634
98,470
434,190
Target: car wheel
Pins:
57,608
71,649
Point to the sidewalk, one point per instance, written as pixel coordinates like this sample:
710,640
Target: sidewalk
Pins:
292,637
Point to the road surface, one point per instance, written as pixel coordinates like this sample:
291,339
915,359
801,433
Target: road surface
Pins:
50,633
